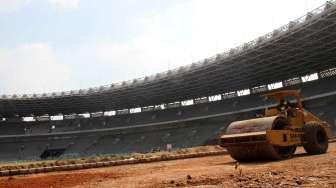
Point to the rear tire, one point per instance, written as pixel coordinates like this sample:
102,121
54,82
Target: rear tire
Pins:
315,139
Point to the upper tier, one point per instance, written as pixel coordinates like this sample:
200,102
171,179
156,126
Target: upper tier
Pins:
304,46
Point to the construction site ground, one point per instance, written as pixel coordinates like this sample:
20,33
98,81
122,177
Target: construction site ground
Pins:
212,171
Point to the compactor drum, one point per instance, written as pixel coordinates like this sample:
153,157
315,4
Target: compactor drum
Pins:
276,135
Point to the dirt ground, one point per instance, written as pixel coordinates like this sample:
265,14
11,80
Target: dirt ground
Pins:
214,171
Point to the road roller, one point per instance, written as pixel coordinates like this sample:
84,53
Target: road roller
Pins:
276,134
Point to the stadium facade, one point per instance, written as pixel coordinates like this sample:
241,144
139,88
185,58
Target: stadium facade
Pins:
187,106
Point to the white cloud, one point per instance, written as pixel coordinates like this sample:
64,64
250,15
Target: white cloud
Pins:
31,68
12,5
187,32
65,4
8,6
194,30
139,57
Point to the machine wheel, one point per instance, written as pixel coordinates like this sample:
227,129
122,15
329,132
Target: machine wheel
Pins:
263,151
251,152
260,152
315,138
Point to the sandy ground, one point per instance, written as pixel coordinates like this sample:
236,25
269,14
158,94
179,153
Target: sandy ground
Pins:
214,171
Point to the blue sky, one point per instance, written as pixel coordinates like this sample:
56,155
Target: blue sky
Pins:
55,45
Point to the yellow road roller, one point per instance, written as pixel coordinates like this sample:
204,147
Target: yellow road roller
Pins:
276,134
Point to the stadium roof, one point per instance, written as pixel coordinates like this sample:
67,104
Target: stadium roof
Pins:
304,46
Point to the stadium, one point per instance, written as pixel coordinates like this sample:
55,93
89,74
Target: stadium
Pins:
185,107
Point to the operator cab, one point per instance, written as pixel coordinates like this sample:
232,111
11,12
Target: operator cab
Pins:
288,102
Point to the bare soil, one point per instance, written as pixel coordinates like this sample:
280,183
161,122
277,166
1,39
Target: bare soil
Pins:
214,171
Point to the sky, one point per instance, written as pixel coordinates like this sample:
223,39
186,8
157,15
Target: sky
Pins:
61,45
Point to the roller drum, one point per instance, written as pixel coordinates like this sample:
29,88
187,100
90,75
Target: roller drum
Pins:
252,151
